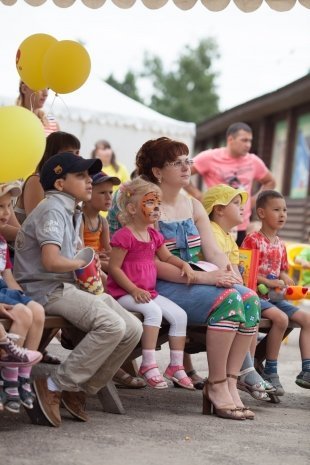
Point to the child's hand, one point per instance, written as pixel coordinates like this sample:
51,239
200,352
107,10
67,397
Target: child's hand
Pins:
97,262
189,272
272,283
4,311
80,263
141,296
288,281
104,255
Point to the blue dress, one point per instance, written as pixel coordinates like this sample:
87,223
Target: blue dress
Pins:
198,300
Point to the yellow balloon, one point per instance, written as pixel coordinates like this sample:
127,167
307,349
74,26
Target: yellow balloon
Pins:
29,59
66,66
22,142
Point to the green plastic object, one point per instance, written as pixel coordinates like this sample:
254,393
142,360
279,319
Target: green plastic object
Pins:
263,289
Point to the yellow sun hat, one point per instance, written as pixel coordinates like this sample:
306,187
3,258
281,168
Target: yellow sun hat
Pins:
222,194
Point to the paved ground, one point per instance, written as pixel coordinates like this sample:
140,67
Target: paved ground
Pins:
167,427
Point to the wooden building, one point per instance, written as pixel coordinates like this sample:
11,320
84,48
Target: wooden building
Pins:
281,137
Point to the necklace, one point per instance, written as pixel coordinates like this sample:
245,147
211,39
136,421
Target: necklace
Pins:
143,239
271,239
91,227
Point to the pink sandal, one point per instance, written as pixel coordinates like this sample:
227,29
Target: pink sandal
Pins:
156,382
185,382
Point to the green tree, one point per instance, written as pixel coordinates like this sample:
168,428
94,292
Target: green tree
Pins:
127,87
187,91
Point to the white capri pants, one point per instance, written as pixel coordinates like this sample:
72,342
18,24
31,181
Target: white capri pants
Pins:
154,311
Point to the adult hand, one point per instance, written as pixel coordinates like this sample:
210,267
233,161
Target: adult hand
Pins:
226,278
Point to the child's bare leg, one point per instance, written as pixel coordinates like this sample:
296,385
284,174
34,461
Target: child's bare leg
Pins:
35,331
253,343
2,332
149,337
274,338
21,323
148,342
175,371
191,372
32,342
249,379
303,319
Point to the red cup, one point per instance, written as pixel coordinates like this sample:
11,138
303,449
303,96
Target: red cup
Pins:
88,277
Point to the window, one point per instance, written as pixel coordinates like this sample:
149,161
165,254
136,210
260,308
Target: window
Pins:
278,153
300,173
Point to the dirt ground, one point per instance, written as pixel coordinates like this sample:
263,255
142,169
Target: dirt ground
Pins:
168,427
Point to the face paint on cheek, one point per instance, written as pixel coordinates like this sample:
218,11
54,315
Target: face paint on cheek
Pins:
150,204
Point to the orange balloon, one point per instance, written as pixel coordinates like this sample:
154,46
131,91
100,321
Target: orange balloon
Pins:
66,66
29,60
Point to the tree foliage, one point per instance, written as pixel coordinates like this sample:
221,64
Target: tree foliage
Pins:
186,92
127,87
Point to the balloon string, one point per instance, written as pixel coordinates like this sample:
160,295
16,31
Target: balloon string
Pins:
62,101
32,97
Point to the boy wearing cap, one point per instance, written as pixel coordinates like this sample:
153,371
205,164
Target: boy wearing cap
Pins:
95,226
225,206
44,262
27,316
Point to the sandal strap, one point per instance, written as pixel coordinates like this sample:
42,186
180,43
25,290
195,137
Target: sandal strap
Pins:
191,373
146,368
232,376
246,371
216,382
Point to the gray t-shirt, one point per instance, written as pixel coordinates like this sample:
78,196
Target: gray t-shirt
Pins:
55,220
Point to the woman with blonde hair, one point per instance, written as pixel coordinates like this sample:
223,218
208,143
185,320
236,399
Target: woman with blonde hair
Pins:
110,165
34,101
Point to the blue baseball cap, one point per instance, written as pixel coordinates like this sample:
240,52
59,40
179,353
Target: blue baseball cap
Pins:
61,164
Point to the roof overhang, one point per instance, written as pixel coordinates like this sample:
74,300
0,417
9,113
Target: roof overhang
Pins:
213,5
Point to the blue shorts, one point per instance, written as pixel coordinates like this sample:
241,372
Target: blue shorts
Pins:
12,296
283,305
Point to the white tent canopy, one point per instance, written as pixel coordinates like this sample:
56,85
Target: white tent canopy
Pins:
212,5
98,111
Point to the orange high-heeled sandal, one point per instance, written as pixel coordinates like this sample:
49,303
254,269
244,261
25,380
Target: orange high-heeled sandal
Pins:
208,407
249,415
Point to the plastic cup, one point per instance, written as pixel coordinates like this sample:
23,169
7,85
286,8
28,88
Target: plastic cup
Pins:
88,277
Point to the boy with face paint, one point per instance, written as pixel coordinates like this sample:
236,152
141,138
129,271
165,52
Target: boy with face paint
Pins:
132,278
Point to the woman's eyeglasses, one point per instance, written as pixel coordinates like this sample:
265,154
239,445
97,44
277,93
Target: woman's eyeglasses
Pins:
180,163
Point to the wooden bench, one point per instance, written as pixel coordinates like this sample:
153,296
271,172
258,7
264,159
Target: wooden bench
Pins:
108,396
196,342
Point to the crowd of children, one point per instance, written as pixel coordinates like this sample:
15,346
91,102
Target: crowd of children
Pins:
45,262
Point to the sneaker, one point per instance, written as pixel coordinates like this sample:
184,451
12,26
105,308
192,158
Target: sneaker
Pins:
26,396
49,401
303,379
273,378
11,402
15,356
75,403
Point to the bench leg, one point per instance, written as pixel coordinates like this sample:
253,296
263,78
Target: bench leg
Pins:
110,399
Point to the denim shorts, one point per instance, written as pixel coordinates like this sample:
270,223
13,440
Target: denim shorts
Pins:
284,305
12,296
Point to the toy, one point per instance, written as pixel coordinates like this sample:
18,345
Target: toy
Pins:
287,293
